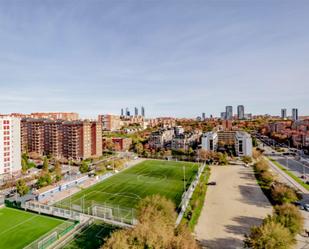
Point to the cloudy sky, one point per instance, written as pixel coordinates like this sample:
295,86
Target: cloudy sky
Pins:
175,57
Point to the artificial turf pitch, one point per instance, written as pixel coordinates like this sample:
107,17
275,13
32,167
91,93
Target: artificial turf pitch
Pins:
19,228
128,187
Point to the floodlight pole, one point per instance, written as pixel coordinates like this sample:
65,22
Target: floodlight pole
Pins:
184,178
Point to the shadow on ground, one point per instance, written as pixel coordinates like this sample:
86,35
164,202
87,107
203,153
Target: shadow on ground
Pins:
222,243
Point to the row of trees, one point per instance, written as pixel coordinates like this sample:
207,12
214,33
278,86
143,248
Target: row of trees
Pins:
156,228
277,231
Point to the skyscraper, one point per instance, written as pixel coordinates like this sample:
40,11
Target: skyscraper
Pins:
240,112
143,111
295,114
135,111
223,115
283,113
127,112
229,112
203,116
121,111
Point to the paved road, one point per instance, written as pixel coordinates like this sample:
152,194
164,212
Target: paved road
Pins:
234,205
302,242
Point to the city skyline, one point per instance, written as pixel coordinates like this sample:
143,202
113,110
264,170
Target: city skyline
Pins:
177,59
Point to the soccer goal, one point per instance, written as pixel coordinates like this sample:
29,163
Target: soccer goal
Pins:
103,212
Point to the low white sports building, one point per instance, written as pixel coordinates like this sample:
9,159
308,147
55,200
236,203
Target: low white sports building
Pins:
241,140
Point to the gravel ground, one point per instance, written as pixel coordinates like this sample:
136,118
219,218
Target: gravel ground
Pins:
231,207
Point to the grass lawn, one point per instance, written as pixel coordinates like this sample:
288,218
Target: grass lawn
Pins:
19,228
127,188
91,237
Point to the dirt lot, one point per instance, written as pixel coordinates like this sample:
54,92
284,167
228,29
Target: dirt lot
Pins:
231,207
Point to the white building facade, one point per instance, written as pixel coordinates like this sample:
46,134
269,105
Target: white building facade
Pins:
243,144
210,141
10,145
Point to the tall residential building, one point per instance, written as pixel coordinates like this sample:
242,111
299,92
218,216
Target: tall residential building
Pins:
122,112
229,112
223,115
240,112
77,140
35,135
62,139
10,145
143,111
96,139
110,122
283,113
135,111
203,116
295,114
53,137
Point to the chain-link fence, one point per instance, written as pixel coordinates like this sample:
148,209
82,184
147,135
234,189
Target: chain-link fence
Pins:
48,239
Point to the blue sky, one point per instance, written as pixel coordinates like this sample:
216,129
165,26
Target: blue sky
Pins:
177,58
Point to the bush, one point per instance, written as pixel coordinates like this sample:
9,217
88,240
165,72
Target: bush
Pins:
261,166
290,217
270,235
267,178
282,193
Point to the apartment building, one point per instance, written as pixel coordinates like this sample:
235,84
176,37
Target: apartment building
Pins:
53,138
62,139
68,116
34,135
77,140
96,138
10,145
161,138
120,143
110,122
185,140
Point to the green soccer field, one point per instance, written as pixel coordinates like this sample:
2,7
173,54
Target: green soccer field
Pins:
127,188
19,228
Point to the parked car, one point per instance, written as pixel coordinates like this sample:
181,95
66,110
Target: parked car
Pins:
306,207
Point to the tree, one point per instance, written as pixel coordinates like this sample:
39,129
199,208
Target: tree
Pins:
139,148
45,164
44,180
282,193
24,165
290,217
270,235
84,167
21,187
222,159
156,228
58,171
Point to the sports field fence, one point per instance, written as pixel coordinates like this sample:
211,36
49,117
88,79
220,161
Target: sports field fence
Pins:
47,240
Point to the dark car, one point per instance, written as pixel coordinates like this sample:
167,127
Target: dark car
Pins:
212,183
